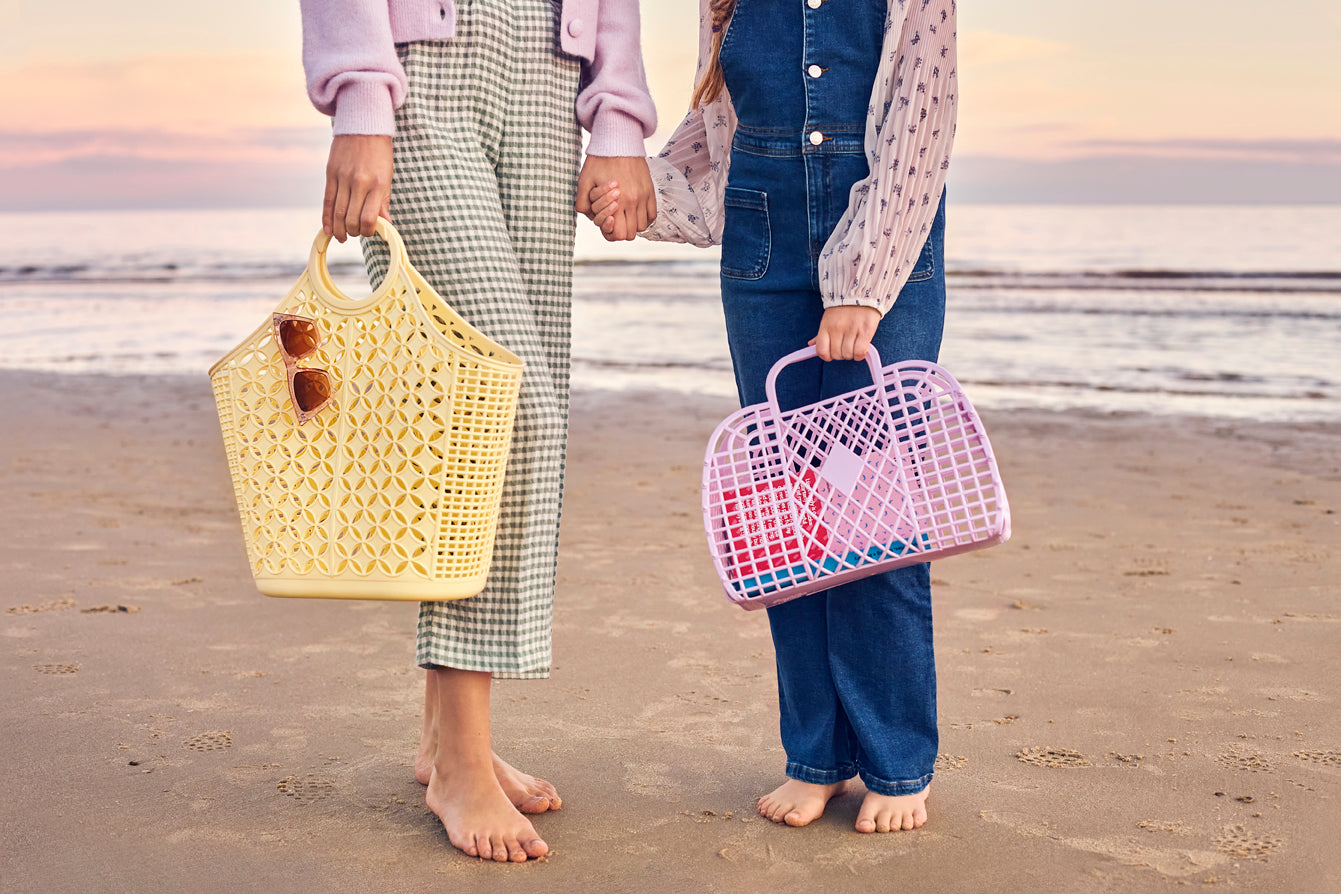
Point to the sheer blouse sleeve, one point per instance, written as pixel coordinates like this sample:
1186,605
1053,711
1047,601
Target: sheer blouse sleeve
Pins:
909,131
690,172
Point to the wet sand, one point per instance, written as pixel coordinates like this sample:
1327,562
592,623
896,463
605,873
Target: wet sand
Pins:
1138,693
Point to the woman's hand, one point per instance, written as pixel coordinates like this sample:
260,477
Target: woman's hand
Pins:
358,185
630,178
845,332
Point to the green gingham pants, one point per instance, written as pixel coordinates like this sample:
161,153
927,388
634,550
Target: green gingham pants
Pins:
486,153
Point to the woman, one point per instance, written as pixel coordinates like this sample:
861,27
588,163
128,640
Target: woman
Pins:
474,101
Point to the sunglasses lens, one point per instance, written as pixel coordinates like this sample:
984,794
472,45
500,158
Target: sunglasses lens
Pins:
298,337
311,389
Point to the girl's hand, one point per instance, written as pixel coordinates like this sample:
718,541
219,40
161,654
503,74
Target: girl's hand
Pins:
358,185
605,207
639,205
845,332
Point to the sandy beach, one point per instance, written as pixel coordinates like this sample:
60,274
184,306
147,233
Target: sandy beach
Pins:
1137,693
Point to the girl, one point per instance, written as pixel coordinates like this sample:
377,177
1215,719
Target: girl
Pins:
815,153
475,101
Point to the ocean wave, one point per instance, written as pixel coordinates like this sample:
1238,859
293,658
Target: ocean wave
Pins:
661,272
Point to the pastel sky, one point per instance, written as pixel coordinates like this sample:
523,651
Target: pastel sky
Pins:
160,103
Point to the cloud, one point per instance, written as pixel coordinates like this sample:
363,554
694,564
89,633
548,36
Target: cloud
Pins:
1323,151
254,144
204,93
1126,179
119,181
981,49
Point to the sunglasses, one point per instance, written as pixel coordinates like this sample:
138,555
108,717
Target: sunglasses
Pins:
309,389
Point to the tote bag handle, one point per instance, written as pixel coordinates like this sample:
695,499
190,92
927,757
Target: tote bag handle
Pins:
330,294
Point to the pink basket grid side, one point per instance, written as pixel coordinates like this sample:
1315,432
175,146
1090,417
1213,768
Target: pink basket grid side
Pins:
958,497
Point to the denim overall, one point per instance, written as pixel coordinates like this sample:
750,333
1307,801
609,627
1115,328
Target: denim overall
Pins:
856,671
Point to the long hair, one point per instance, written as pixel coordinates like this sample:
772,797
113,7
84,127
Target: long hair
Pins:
710,85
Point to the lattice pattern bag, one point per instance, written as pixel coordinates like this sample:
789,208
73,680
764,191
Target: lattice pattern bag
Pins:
802,500
367,439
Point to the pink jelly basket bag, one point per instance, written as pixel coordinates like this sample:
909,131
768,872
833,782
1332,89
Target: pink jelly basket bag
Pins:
802,500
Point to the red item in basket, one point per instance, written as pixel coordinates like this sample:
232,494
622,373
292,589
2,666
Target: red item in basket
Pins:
763,532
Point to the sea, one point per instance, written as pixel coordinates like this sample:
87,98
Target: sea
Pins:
1213,311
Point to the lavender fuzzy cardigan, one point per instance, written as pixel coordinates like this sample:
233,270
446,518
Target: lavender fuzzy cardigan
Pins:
353,73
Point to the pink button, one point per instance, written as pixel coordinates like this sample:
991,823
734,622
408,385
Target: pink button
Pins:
575,27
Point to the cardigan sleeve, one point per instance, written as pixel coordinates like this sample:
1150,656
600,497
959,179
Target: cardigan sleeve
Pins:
353,73
614,104
909,132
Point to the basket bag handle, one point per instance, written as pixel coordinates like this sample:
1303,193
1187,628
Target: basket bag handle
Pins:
324,287
806,353
770,386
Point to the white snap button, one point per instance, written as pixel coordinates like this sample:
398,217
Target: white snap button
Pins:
814,71
816,138
575,27
814,4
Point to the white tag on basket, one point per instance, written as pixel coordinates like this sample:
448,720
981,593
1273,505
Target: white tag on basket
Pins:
841,469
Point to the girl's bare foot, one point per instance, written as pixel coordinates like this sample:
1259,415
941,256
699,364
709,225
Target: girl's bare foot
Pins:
478,818
892,813
798,803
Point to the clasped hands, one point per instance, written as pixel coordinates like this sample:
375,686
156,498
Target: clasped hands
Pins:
845,331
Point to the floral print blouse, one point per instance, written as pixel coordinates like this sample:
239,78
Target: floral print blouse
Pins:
910,126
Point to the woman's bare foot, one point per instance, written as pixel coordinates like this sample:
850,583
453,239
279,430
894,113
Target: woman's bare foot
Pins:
479,819
892,813
798,803
529,794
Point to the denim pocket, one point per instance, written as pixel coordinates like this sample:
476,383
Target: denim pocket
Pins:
925,268
747,238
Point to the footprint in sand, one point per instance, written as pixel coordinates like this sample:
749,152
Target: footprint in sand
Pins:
1048,756
1147,568
1251,762
1238,841
59,670
51,605
308,788
214,740
1327,758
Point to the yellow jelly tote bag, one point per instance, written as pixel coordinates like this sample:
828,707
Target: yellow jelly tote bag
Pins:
367,439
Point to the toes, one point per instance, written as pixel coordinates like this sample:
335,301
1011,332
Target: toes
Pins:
514,850
535,848
795,818
500,849
534,804
866,824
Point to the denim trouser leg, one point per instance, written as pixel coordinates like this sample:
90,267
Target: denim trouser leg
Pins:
856,668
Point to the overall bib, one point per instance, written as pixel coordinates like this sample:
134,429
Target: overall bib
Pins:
856,670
